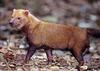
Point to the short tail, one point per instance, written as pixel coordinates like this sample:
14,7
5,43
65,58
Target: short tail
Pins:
93,32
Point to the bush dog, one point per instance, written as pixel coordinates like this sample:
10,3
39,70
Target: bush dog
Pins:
49,36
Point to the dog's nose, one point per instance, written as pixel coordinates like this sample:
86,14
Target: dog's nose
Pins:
10,23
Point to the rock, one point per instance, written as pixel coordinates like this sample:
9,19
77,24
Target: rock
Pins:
68,59
98,50
21,52
93,17
12,65
87,58
5,43
2,64
3,27
34,69
73,69
85,24
20,69
61,67
69,67
64,69
3,50
45,69
92,48
54,68
11,44
38,55
95,56
58,53
22,46
84,67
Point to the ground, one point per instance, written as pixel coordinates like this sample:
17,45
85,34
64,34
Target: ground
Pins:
63,61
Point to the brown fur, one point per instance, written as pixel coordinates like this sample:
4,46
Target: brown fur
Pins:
57,36
51,36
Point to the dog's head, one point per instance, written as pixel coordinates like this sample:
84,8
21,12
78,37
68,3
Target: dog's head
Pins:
19,18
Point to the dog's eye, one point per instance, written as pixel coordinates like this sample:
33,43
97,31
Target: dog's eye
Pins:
18,18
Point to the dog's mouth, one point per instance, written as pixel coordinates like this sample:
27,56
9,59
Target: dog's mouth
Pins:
16,26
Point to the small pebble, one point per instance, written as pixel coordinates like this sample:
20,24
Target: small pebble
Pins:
22,46
54,68
84,67
19,69
34,69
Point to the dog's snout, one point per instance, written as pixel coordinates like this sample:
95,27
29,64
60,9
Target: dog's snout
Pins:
10,23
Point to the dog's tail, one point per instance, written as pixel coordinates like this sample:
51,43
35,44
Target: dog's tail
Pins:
93,32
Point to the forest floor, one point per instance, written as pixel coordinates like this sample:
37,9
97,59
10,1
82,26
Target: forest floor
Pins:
63,61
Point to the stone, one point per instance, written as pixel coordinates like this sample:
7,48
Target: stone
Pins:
92,48
54,68
73,69
87,58
22,46
11,44
84,67
19,69
93,17
34,69
45,69
95,56
58,53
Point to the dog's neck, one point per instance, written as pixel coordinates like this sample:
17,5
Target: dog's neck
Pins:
33,18
32,24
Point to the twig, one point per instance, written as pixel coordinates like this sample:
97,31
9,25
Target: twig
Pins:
7,64
9,69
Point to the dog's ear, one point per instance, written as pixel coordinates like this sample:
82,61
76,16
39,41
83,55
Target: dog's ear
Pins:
26,12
